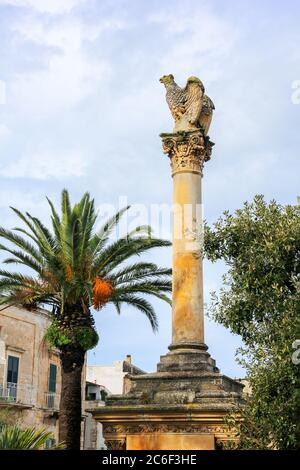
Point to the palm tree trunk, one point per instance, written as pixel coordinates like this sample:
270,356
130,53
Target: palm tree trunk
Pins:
72,361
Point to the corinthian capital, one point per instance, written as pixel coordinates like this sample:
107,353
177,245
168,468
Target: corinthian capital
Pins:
187,150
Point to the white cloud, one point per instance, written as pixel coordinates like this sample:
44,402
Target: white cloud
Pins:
240,179
4,131
69,74
65,34
200,40
45,165
31,201
68,80
46,6
2,92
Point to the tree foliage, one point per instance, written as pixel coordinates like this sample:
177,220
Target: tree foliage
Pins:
76,267
260,301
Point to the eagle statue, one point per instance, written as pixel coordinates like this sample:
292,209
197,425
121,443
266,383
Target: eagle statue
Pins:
189,106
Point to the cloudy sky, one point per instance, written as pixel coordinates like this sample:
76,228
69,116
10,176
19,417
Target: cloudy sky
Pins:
81,107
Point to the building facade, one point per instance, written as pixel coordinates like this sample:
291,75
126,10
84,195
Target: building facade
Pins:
30,376
102,382
113,377
95,396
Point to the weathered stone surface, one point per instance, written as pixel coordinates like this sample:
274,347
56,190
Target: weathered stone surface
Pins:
189,106
170,441
179,387
163,401
194,360
119,422
22,335
187,150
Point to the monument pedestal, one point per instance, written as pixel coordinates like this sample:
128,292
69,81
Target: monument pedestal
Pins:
183,404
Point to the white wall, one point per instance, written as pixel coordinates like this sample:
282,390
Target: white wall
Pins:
109,376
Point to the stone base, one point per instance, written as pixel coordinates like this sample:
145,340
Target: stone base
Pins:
187,357
168,441
186,396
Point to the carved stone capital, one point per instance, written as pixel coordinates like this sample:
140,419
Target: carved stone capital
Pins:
187,151
116,444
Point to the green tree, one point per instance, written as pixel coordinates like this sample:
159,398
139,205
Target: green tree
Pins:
76,268
15,438
260,301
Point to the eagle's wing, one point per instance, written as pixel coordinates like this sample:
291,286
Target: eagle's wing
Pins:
194,99
206,113
208,105
176,98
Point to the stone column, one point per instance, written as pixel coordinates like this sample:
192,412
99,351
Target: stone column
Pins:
187,150
183,404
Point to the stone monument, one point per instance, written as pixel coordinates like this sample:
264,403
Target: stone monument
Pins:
183,404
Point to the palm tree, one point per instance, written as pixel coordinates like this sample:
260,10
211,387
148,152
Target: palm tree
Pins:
76,268
15,438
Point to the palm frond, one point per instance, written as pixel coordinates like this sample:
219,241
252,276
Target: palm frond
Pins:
45,238
14,438
33,235
21,243
89,218
102,236
22,258
122,249
140,304
55,219
69,258
139,271
155,288
141,231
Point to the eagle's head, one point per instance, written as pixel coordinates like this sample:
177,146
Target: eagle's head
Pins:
195,80
167,79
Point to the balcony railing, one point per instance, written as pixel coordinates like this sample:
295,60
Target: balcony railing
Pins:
13,393
52,400
22,394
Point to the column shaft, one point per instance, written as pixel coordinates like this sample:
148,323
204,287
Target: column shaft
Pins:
188,323
187,152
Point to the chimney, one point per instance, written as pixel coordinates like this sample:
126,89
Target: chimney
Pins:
128,358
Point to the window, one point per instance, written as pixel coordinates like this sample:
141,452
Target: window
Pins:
49,443
52,378
51,385
12,369
12,376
